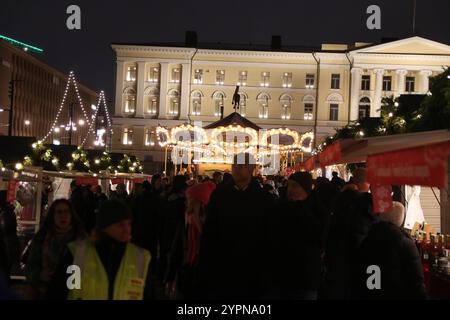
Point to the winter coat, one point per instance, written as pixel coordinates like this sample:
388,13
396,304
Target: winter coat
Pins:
394,252
171,245
146,221
297,234
234,250
44,257
337,252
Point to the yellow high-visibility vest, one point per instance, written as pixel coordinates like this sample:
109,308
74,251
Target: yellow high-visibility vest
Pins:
130,279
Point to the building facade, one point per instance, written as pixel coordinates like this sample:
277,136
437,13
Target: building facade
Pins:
38,93
317,91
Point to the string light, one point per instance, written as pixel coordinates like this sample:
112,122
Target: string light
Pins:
101,98
70,80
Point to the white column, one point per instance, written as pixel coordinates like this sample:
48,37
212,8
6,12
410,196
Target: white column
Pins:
119,89
185,81
140,90
401,74
425,80
376,105
163,90
356,84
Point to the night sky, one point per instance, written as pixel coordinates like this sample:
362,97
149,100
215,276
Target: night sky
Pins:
310,23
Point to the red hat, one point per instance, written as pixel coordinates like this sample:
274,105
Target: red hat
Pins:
201,191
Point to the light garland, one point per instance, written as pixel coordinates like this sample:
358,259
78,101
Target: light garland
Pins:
101,98
234,129
283,131
71,79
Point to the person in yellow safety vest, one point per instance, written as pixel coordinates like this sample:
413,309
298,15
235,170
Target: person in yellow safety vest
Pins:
111,268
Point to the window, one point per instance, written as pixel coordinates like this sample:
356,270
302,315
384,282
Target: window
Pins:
387,83
309,81
263,101
410,84
154,75
198,76
286,102
364,108
243,104
218,102
265,78
175,75
365,83
220,77
174,103
127,136
287,80
129,102
131,73
196,103
335,81
242,78
152,105
334,112
149,138
308,112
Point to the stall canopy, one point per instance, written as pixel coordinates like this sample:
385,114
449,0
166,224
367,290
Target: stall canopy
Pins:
357,150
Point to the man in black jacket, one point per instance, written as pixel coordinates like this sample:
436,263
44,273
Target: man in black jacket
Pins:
298,226
234,252
391,250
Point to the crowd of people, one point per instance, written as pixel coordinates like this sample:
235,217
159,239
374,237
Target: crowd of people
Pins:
232,236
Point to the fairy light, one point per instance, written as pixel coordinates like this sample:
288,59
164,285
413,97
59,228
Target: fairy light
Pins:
101,98
70,80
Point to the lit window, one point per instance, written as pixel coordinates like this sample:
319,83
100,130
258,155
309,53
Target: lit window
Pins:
196,103
152,108
287,80
198,76
242,78
130,103
308,111
286,102
131,73
265,78
334,112
220,77
263,101
335,81
174,103
218,102
175,75
127,136
149,138
243,105
365,82
154,75
309,81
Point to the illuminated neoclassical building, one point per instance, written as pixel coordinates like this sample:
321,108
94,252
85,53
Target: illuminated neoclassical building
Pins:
303,89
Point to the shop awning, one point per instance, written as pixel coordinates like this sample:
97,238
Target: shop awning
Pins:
425,166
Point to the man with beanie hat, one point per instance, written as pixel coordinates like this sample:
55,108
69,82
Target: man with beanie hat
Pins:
111,268
390,248
297,229
233,261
